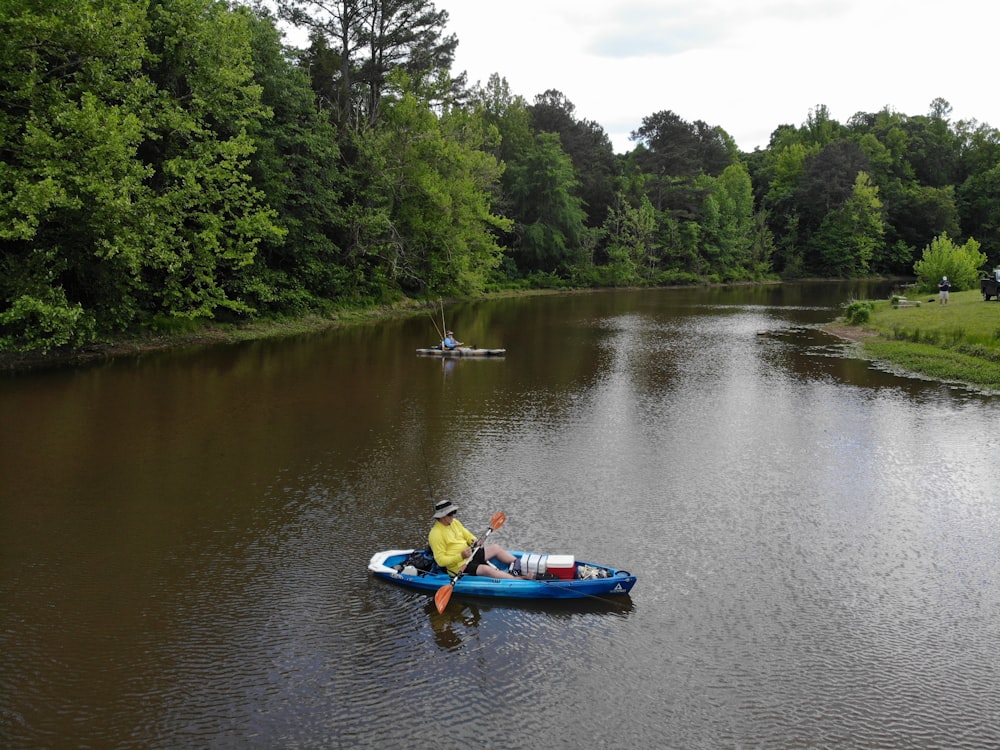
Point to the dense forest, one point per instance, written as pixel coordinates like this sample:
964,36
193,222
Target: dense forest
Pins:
169,162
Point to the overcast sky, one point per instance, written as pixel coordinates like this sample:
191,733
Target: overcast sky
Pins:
747,66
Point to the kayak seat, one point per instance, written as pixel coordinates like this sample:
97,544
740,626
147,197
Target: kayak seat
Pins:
423,561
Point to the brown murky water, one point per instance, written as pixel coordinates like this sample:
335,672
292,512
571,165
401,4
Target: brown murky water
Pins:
183,537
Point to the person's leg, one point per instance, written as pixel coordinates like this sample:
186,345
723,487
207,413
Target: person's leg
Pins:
476,561
495,551
477,565
491,572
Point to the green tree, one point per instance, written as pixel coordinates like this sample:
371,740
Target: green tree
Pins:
918,213
820,128
779,177
508,114
126,140
296,165
209,218
631,233
440,225
828,180
371,40
932,147
679,148
849,235
979,148
330,81
673,153
761,247
979,206
508,117
730,238
72,223
587,145
942,257
548,214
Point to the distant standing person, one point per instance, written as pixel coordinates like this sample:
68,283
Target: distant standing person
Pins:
944,286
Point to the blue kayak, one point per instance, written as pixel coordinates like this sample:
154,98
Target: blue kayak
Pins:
579,580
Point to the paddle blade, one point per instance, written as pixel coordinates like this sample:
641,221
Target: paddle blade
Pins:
443,596
498,520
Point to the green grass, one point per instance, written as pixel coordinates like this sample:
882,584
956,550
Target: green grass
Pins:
957,342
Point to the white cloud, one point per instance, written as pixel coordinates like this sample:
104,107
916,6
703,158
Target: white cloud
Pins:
747,66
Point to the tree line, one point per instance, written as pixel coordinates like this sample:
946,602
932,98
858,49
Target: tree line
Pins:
170,162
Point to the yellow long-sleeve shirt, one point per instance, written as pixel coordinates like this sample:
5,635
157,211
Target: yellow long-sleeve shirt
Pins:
448,542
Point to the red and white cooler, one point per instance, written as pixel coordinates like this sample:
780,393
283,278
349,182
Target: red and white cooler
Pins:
561,566
533,564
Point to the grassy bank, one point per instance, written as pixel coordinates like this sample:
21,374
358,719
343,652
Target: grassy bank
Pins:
957,342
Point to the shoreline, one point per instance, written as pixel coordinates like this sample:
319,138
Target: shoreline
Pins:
220,333
213,334
857,334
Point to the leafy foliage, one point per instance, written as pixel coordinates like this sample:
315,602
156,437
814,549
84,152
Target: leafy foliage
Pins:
586,144
729,236
550,216
363,43
960,263
846,240
979,208
631,242
296,166
44,322
439,220
171,162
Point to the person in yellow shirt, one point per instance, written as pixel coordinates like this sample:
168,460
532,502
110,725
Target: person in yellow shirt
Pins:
452,543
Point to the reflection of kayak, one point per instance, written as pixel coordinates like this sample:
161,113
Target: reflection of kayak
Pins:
572,579
437,351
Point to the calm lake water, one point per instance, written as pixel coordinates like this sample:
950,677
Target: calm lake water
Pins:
184,537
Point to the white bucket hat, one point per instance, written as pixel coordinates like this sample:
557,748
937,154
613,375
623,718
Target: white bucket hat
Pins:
444,508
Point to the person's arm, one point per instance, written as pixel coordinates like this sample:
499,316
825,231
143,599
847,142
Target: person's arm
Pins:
470,539
467,535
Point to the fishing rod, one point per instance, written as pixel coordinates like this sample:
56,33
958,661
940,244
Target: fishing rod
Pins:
434,322
604,599
427,472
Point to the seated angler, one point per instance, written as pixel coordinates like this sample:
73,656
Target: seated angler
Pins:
450,342
452,545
